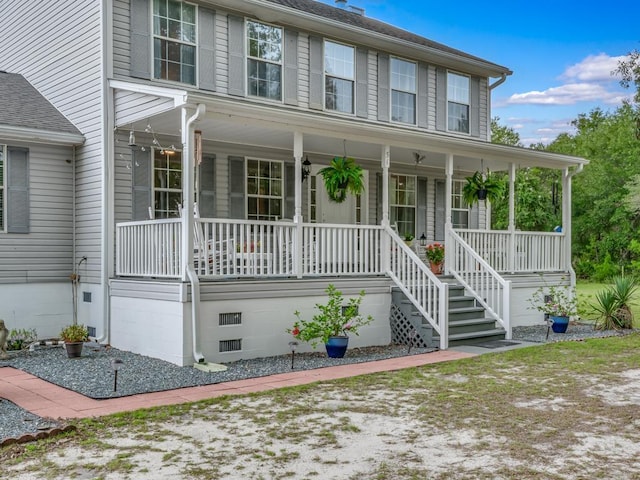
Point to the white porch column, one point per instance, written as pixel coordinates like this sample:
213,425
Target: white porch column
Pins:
566,221
448,225
386,241
511,258
188,187
297,217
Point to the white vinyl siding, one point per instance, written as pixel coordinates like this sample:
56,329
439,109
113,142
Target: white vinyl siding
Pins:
3,164
67,70
303,70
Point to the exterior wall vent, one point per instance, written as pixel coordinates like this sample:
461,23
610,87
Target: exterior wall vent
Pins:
234,318
230,345
92,331
86,297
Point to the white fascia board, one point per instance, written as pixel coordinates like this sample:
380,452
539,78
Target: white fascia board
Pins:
47,137
353,129
275,13
179,96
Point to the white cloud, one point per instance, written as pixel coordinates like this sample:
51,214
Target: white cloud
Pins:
568,94
594,68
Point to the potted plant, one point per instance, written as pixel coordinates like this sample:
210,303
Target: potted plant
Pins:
481,187
435,255
341,177
408,238
559,303
74,336
332,324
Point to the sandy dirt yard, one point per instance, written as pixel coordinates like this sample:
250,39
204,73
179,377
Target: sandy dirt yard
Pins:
508,420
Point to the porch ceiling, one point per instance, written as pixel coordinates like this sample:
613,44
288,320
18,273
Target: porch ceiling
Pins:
258,124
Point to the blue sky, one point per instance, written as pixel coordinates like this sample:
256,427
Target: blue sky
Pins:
561,53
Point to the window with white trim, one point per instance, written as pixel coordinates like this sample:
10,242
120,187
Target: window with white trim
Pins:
339,76
174,41
403,91
167,183
402,203
264,60
458,102
3,156
459,208
264,189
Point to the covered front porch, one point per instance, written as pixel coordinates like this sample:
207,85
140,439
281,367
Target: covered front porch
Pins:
230,239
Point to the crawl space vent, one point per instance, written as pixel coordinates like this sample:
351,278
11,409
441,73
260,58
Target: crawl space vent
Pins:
230,345
234,318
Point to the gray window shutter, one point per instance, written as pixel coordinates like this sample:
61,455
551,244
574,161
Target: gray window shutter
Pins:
384,97
290,67
236,188
421,207
289,190
142,174
17,190
440,213
207,194
474,217
140,37
474,115
316,74
236,55
207,49
379,198
441,99
362,82
423,95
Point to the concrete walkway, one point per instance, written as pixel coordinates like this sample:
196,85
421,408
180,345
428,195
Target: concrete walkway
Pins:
47,400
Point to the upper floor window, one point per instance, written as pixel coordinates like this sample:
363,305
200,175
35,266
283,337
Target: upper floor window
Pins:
403,91
264,189
167,183
264,60
339,76
458,87
174,41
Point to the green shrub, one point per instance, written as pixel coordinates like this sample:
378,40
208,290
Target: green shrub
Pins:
605,270
21,338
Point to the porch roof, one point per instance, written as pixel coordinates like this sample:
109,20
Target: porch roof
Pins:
255,123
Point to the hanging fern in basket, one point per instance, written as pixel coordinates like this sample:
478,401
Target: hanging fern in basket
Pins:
341,177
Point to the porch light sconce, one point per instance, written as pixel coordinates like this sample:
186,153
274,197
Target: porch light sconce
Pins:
423,240
132,139
116,364
306,168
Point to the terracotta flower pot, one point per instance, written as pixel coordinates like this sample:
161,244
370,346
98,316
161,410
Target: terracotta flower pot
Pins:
436,268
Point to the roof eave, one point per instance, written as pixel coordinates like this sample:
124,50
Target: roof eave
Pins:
33,135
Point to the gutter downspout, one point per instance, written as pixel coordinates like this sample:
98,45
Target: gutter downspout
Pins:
187,227
495,84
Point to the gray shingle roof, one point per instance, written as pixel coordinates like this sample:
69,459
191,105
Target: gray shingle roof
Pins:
350,18
21,105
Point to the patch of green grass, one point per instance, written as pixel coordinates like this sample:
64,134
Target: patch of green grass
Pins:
586,292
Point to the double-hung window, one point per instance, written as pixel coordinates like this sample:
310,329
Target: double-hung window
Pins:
403,91
174,41
264,189
339,76
458,87
264,60
167,183
459,208
402,203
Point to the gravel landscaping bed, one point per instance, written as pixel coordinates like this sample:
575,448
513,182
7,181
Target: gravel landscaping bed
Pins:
92,375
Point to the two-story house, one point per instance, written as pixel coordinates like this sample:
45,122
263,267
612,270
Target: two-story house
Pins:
197,201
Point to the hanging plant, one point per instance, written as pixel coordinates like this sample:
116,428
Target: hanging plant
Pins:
341,177
479,187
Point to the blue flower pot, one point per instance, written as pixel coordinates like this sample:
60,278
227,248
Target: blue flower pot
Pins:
559,324
337,346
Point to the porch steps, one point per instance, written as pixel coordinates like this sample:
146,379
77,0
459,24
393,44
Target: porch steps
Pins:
467,321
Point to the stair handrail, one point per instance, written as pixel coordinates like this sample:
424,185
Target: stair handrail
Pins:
480,279
422,287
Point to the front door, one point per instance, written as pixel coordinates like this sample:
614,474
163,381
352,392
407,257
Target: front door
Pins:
322,210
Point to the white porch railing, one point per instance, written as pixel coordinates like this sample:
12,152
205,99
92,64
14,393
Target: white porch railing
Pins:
518,251
427,293
490,290
149,249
